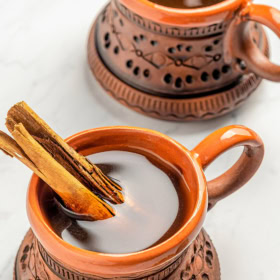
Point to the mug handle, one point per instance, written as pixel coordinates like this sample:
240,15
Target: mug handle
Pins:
242,171
241,45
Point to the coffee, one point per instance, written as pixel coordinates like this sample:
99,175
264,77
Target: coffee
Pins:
186,4
153,191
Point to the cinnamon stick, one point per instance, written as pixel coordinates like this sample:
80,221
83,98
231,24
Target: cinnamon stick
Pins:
81,185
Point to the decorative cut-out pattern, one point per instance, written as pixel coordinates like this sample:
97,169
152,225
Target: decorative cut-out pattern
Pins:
167,76
196,64
199,260
157,59
184,109
31,264
202,261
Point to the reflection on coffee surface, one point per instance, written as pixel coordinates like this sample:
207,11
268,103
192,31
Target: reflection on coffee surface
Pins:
186,4
153,192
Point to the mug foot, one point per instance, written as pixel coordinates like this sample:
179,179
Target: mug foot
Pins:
190,108
199,261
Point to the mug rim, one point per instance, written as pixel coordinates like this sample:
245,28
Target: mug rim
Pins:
178,16
130,262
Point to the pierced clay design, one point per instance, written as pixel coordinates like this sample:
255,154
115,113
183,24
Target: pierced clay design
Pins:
199,262
166,72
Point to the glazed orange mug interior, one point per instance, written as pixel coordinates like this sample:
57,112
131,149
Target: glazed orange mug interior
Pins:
238,42
198,196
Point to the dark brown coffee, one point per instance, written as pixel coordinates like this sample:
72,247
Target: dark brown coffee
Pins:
186,4
152,211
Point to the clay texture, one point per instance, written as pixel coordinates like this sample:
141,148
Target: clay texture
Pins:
169,72
199,261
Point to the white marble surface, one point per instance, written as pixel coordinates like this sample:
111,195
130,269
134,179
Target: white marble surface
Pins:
43,61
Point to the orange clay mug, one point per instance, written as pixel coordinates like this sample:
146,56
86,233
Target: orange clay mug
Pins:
189,251
182,64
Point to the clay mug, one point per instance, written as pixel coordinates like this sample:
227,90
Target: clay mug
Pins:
189,251
182,64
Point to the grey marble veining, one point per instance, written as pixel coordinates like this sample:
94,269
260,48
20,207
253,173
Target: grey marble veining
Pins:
43,61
